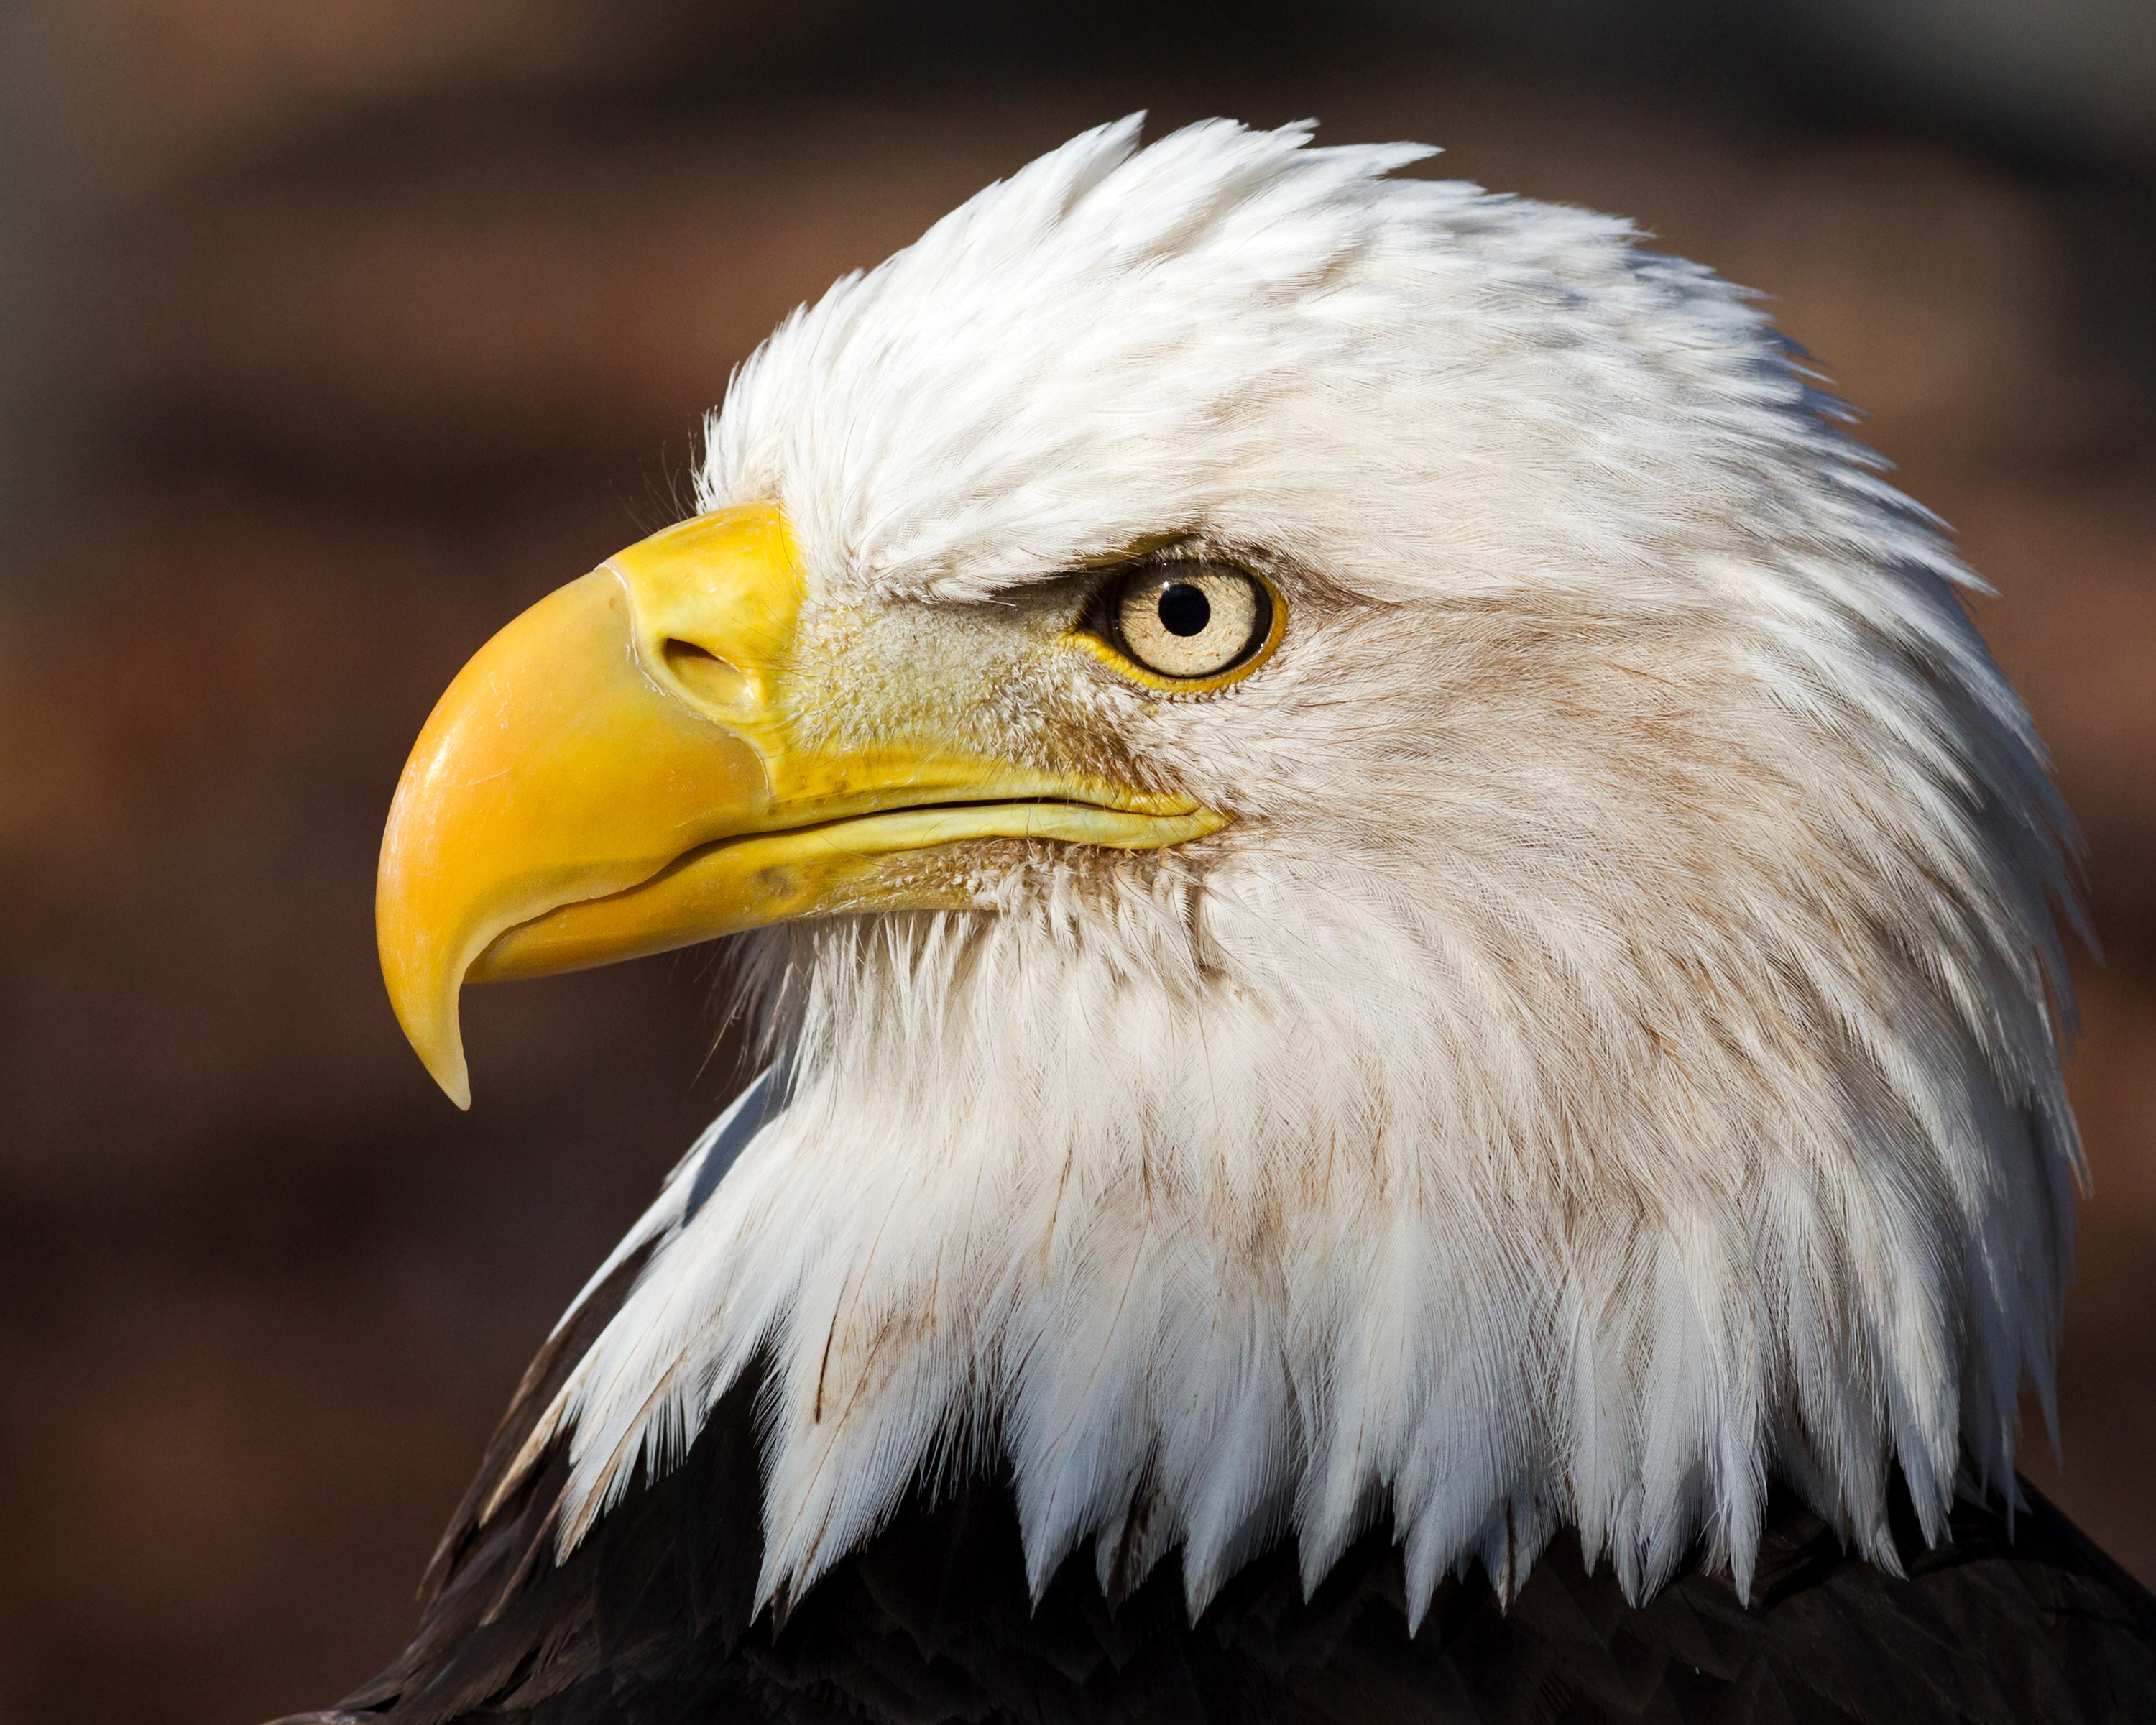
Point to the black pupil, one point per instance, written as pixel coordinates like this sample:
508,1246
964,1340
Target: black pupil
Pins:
1184,609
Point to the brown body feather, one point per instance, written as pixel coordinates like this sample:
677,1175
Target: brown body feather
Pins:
651,1620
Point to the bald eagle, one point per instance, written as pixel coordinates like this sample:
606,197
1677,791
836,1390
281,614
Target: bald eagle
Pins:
1405,961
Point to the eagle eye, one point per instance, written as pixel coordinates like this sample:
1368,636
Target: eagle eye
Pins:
1189,620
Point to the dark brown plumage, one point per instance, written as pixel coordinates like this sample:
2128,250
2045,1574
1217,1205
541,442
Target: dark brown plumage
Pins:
649,1622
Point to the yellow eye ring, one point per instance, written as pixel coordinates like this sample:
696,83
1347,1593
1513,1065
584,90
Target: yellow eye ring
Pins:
1184,611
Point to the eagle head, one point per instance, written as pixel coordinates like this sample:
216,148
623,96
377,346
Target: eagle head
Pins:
1387,885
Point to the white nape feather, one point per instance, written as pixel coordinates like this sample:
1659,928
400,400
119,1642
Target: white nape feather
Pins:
1606,1063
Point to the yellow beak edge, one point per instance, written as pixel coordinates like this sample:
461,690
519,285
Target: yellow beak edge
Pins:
615,774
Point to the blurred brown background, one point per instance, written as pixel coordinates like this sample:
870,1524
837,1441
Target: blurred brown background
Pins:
334,332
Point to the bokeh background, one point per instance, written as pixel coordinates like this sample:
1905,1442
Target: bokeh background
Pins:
334,332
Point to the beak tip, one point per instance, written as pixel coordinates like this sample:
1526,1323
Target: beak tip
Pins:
444,1062
458,1090
438,1038
424,992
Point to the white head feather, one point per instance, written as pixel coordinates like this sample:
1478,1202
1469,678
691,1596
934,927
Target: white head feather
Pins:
1606,1060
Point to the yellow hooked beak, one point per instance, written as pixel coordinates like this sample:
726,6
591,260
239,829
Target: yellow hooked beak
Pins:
621,771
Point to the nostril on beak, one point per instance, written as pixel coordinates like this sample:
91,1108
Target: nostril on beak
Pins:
707,679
